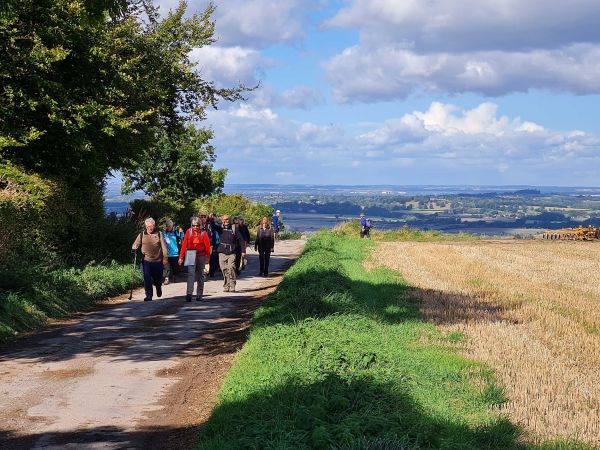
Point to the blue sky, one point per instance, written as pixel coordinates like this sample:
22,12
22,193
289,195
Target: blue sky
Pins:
407,92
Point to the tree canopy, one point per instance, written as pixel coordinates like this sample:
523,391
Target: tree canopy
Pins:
178,168
87,87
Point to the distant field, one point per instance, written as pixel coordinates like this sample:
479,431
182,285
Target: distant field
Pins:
530,310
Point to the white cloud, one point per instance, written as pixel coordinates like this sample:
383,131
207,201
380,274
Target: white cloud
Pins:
442,144
470,25
302,97
259,23
388,73
229,65
491,47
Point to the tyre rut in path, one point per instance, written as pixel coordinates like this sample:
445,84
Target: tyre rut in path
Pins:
131,374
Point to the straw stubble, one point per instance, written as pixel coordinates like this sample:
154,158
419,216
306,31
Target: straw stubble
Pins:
530,310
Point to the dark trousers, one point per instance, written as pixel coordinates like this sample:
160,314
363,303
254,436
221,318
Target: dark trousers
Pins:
153,273
263,258
213,263
238,260
173,268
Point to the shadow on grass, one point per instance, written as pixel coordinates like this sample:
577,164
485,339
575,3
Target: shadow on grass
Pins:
318,294
337,413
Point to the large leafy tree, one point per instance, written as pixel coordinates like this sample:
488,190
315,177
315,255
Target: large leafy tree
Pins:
178,168
88,86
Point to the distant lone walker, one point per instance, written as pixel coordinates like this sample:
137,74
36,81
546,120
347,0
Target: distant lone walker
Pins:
154,257
276,223
365,226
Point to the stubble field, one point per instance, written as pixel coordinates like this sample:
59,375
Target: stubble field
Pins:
530,310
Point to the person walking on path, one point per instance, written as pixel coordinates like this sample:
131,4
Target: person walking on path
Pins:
172,238
365,226
154,257
228,244
277,224
244,238
214,233
195,252
264,244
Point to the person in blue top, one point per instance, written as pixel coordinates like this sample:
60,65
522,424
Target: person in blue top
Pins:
172,238
276,223
365,226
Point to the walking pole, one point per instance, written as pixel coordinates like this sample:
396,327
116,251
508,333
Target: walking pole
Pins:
133,273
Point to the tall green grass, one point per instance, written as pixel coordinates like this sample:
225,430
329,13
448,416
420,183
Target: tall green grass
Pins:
60,292
339,358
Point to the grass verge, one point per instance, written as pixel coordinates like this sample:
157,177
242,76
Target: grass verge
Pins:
58,293
340,358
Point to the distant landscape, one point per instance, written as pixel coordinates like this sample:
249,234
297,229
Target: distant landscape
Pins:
491,210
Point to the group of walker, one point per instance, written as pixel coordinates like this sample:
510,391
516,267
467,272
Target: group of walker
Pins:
220,245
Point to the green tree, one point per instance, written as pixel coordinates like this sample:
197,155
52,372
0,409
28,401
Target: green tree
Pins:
86,86
178,168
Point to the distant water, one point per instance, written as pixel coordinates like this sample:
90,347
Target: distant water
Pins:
119,208
311,223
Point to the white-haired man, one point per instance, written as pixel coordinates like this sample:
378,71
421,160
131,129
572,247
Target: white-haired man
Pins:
154,257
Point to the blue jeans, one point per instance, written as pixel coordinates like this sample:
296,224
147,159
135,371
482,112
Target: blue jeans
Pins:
153,273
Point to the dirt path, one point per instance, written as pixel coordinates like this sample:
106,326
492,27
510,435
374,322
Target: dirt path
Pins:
131,374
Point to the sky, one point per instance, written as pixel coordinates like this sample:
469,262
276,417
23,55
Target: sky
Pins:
494,92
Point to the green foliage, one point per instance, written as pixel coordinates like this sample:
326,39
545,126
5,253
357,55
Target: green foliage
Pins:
177,169
58,293
83,93
289,235
234,205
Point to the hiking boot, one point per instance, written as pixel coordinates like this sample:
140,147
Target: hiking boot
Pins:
147,299
158,291
199,298
226,289
188,298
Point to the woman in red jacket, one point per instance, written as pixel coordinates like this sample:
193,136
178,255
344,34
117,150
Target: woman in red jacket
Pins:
195,251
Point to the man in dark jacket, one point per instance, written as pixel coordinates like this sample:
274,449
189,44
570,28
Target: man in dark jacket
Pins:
228,244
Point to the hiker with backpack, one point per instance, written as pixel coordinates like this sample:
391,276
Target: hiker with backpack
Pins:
365,226
228,244
172,238
195,253
154,257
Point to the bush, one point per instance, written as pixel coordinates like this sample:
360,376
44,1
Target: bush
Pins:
288,235
234,205
61,292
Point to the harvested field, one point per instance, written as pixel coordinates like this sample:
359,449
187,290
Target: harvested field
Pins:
530,310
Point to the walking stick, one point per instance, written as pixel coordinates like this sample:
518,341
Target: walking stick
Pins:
133,274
